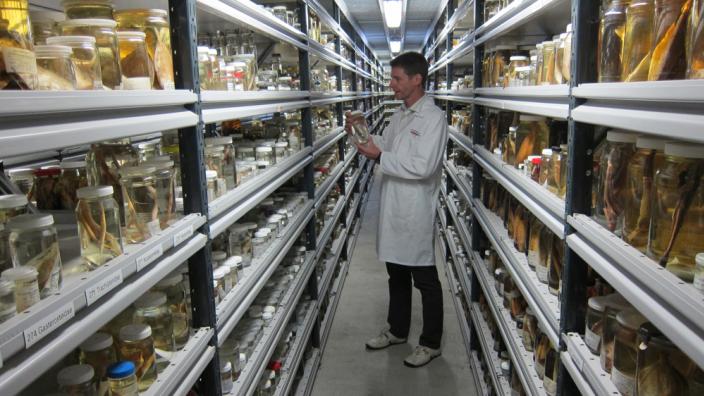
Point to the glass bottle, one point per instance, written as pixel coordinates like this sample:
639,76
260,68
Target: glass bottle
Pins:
567,54
596,318
215,161
137,72
669,60
77,9
85,60
98,218
137,346
548,72
105,40
173,287
516,63
613,182
695,42
240,243
637,42
608,331
165,182
559,42
678,210
360,131
227,160
544,252
623,372
499,67
611,35
555,269
11,205
55,68
98,351
77,380
23,178
18,66
659,363
122,379
103,163
151,309
205,68
26,287
140,203
539,64
34,243
532,136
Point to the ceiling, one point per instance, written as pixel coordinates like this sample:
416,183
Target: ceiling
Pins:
367,14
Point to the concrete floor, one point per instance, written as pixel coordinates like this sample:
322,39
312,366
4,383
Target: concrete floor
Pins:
347,368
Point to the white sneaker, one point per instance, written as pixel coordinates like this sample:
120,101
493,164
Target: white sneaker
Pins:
421,356
383,340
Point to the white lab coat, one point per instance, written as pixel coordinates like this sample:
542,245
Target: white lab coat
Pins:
413,148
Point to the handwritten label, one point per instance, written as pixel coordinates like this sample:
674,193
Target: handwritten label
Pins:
93,293
149,257
182,235
47,324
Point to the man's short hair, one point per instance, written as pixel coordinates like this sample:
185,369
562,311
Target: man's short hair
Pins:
412,63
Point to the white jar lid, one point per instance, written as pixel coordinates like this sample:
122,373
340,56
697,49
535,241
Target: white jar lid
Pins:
650,143
266,229
239,227
270,308
518,58
251,225
211,174
546,152
212,51
107,23
203,49
267,315
139,170
281,144
52,50
504,47
70,40
130,34
260,234
21,172
218,141
619,136
685,150
235,259
225,269
135,332
220,272
150,299
225,367
219,255
531,117
75,375
263,163
20,273
30,221
12,201
97,342
171,280
263,149
94,192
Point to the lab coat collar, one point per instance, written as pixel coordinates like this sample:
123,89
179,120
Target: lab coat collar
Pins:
417,107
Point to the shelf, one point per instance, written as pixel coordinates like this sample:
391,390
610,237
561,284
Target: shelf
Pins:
477,372
344,97
293,360
553,109
462,187
322,192
585,368
660,92
310,371
185,367
326,54
234,306
326,324
676,308
522,359
459,13
251,373
545,306
322,145
242,98
544,205
454,98
460,276
223,111
328,229
352,237
94,290
540,91
337,246
77,326
500,383
325,94
460,271
229,208
518,18
461,140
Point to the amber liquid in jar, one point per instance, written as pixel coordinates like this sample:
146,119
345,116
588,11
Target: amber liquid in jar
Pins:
668,53
612,29
637,41
695,41
18,68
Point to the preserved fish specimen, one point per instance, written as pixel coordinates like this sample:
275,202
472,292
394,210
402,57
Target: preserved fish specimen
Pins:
638,41
611,30
669,58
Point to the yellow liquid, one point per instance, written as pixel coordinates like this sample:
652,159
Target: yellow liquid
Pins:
638,41
695,43
612,31
668,53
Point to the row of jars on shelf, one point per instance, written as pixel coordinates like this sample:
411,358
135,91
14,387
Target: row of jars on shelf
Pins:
462,121
94,48
324,164
493,7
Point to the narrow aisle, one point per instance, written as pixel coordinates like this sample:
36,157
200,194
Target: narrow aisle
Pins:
347,368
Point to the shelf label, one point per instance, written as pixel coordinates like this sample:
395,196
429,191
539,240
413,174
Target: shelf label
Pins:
182,235
149,257
95,292
46,325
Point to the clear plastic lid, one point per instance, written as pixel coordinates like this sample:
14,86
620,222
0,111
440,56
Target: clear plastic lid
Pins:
71,41
94,192
76,374
30,221
20,274
103,23
97,342
685,150
52,51
150,300
130,35
135,332
12,201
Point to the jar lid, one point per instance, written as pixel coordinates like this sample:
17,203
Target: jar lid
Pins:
518,58
651,334
631,318
100,2
52,50
263,149
569,28
546,152
203,49
263,163
107,23
219,255
20,273
75,375
135,332
279,8
220,272
150,299
225,367
46,16
613,300
214,149
685,150
130,34
12,201
651,143
238,227
97,342
532,118
232,262
70,40
267,315
94,192
121,369
260,234
533,58
171,280
281,144
21,172
504,47
251,225
215,141
245,148
139,170
160,164
6,287
619,136
30,221
211,174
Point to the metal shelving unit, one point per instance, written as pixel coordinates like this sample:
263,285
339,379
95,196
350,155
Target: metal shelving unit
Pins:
293,361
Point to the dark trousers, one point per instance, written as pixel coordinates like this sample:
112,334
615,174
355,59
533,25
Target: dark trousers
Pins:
401,281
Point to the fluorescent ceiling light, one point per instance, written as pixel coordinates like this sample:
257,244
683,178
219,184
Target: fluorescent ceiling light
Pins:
395,46
393,13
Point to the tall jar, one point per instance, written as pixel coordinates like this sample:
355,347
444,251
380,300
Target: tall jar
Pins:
55,68
611,33
544,252
567,55
548,71
534,234
358,125
98,351
73,176
677,221
608,332
98,217
215,161
155,24
499,67
539,64
77,380
140,203
18,66
85,60
23,178
240,243
165,182
596,318
557,171
669,60
34,243
695,42
152,309
137,72
517,62
623,372
227,160
613,183
11,205
103,163
77,9
637,41
659,365
105,40
559,42
532,137
137,345
555,270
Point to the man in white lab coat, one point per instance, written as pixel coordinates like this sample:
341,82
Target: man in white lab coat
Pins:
410,154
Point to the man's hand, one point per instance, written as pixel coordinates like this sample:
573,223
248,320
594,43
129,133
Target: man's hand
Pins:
348,122
369,150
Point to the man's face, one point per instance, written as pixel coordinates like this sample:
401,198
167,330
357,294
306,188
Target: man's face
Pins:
402,84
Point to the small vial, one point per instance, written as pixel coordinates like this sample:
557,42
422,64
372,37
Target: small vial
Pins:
122,379
26,286
77,380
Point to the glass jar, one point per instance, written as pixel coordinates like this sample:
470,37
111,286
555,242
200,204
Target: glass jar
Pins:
245,153
359,130
555,165
34,243
137,346
608,331
54,68
637,41
205,68
77,380
219,287
122,379
281,151
613,183
44,25
234,263
540,352
26,287
137,73
529,330
226,157
226,384
151,309
548,65
491,8
148,150
516,63
499,65
8,308
595,318
240,243
46,181
552,366
103,162
532,136
678,210
260,243
174,288
659,367
12,205
155,25
98,351
18,66
98,218
567,56
77,9
165,183
140,206
695,42
669,60
626,350
611,35
73,176
215,161
105,40
264,153
295,139
211,179
23,178
545,250
559,42
85,60
538,78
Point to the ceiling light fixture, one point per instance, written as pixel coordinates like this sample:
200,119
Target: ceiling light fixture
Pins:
393,13
395,46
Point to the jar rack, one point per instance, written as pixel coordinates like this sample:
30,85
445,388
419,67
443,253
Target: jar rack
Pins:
43,127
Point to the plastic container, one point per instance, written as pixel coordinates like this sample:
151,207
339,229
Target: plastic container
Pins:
215,161
174,288
8,309
77,380
137,346
18,66
151,309
77,9
612,180
26,287
264,154
122,379
54,68
140,200
165,183
98,218
596,318
85,60
137,73
106,42
611,32
98,351
360,131
34,243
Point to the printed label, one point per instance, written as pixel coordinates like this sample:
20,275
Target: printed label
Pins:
93,293
149,257
542,273
592,340
47,324
623,382
20,61
182,235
